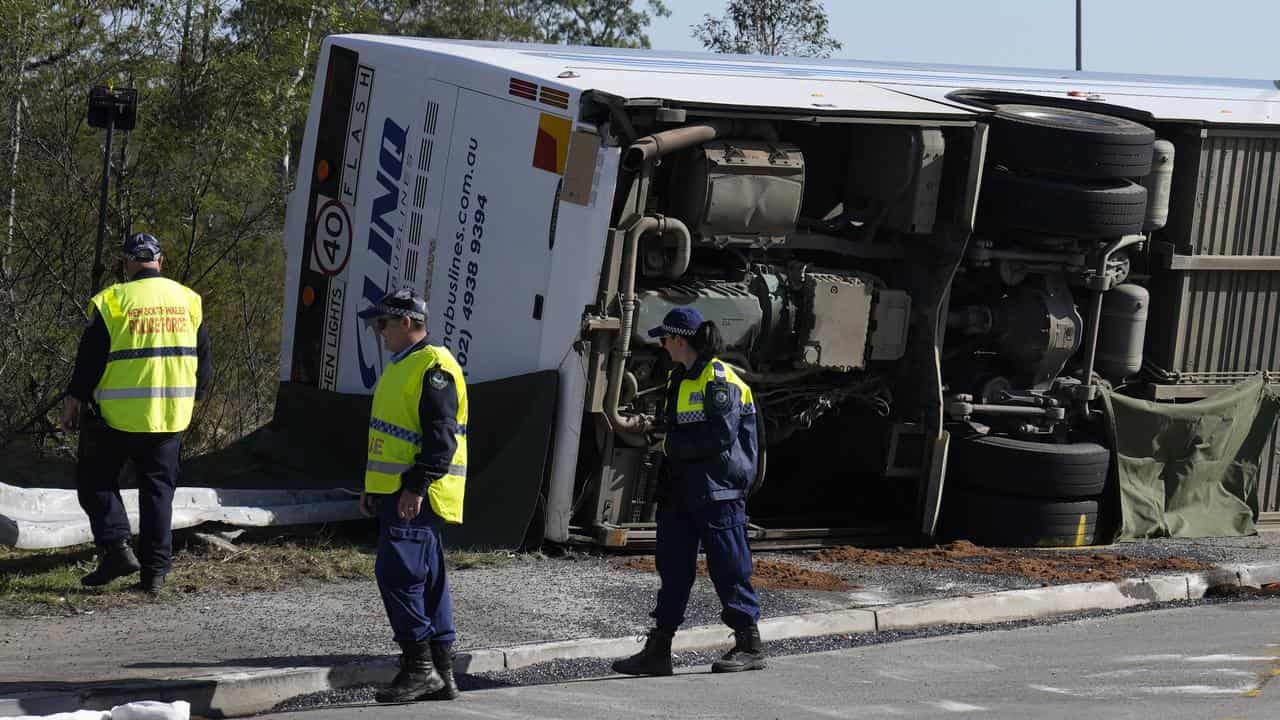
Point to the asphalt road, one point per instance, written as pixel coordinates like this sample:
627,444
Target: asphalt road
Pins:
1216,661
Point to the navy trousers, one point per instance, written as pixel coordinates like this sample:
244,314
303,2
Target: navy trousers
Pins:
411,574
721,529
103,453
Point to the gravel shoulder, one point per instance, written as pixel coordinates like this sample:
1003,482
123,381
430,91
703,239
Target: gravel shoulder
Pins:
532,599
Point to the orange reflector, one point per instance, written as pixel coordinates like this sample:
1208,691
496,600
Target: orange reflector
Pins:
322,170
308,296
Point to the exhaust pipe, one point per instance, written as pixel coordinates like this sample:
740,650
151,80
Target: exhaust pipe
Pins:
651,147
617,365
684,245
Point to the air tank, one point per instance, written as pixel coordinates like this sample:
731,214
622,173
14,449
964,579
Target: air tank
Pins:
1121,331
1158,185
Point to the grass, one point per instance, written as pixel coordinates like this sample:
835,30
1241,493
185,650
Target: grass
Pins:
47,582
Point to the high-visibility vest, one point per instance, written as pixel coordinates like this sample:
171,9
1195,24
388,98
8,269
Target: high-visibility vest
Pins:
149,384
691,396
395,430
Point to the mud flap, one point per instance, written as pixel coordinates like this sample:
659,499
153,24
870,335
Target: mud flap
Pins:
508,446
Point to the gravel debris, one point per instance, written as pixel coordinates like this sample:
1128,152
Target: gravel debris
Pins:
533,598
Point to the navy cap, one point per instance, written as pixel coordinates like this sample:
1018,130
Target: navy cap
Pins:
144,247
683,321
405,302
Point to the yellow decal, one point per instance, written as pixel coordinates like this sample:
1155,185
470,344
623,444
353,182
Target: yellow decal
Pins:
551,147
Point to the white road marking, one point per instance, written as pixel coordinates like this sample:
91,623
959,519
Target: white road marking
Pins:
1165,671
953,706
1199,690
1057,691
1147,658
1232,658
1194,658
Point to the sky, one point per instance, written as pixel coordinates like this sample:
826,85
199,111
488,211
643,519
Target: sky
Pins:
1206,38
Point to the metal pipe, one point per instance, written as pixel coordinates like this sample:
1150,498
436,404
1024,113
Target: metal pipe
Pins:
1079,35
684,245
630,387
98,267
627,299
986,254
1095,302
650,147
1009,410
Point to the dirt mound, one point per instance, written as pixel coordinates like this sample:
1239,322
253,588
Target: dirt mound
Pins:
765,574
1046,566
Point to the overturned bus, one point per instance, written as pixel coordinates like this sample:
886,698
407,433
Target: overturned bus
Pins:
931,276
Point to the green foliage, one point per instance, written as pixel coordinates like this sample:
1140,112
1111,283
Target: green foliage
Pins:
769,27
613,23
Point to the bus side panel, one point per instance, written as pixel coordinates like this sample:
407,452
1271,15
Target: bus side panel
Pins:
491,255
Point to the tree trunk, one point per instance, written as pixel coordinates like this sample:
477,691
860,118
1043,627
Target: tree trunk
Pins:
285,157
184,54
15,148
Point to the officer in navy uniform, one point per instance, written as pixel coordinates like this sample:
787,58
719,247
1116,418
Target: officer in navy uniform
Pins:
142,363
708,415
414,483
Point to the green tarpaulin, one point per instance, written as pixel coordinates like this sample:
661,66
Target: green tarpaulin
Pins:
1191,470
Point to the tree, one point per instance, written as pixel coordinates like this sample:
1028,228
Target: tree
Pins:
612,23
507,20
769,27
223,90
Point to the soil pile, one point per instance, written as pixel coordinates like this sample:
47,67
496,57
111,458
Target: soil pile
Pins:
765,574
1049,567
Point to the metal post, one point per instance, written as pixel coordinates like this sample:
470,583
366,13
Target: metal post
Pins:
1079,34
98,267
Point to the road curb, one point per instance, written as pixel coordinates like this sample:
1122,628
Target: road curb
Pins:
245,693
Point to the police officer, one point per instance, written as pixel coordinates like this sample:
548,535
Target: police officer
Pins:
711,446
417,452
141,365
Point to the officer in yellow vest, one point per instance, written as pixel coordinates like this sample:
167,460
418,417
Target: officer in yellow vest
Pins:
711,446
141,365
414,483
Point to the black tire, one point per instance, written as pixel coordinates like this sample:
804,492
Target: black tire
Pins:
1069,143
1004,521
1096,208
1028,469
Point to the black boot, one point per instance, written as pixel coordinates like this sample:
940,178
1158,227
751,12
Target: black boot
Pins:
442,656
654,659
115,560
416,679
149,584
747,652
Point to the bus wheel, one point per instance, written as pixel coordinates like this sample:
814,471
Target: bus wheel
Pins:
1069,143
1081,208
1028,469
1006,521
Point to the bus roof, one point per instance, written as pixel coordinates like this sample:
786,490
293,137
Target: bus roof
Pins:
865,87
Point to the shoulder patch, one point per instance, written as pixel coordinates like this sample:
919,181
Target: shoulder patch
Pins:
438,379
718,398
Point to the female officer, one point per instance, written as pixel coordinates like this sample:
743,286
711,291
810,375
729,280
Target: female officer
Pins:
710,423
